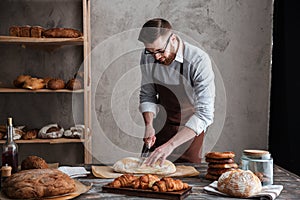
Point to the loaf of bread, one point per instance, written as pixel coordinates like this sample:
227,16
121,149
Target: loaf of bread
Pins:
20,80
14,31
133,165
38,183
51,131
56,84
34,162
62,33
74,84
36,31
25,31
34,84
239,183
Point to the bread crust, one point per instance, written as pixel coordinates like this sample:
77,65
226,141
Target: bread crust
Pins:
239,183
38,183
220,155
33,162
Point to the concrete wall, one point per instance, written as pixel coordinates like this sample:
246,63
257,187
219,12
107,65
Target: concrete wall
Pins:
235,33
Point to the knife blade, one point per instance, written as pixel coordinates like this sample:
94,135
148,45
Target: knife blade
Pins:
145,153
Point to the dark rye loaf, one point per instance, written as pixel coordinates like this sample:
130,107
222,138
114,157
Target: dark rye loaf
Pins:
37,183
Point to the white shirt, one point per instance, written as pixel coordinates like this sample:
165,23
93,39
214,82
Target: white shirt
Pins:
199,81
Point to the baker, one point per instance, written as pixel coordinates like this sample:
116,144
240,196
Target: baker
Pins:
177,94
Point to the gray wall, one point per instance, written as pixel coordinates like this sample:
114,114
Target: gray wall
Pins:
235,33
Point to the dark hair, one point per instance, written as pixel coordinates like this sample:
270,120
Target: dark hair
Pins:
153,29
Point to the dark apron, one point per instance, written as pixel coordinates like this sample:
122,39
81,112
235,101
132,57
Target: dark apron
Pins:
178,111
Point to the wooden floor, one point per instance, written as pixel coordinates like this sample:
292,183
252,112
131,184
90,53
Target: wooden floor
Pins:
290,182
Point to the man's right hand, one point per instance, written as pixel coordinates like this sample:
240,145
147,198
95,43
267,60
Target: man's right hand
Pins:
149,137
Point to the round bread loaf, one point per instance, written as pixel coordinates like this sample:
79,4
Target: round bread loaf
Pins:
33,162
239,183
74,84
38,183
133,165
56,84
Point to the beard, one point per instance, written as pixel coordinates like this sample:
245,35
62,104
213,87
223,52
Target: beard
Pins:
168,59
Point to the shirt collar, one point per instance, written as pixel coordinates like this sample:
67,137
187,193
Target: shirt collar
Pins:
179,54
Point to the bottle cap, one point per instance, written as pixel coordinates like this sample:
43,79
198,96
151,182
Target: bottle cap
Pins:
6,171
9,121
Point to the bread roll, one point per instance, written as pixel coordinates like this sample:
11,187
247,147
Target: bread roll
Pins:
132,165
33,162
239,183
62,33
36,31
38,183
56,84
20,80
14,31
74,84
34,84
51,131
25,31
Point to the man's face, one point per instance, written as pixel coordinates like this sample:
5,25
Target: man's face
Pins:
163,49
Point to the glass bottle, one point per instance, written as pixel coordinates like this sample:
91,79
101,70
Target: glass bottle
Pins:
10,149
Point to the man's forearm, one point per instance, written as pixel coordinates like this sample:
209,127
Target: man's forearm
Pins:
181,137
148,118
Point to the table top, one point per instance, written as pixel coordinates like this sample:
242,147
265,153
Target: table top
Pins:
290,182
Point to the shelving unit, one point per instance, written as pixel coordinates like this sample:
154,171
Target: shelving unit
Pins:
53,43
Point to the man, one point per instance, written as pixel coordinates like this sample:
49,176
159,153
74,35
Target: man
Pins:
177,77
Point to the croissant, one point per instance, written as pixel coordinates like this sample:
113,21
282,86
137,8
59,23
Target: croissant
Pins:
145,182
123,181
168,184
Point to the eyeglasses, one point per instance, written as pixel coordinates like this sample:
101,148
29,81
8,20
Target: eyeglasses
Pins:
161,51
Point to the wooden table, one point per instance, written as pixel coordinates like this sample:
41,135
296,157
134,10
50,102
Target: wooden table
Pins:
290,182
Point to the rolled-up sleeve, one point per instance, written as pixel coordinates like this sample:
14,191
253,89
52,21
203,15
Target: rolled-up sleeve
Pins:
148,94
202,77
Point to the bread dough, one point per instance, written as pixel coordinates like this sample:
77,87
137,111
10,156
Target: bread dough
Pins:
132,165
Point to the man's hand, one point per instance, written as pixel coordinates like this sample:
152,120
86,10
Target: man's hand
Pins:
149,137
160,153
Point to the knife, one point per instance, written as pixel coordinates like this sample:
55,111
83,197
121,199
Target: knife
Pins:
145,153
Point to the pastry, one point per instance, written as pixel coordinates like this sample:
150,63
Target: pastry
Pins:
37,184
74,84
124,180
221,161
19,82
51,131
145,182
14,31
30,134
168,184
34,84
75,132
56,84
239,183
33,162
62,33
222,166
220,155
36,31
133,165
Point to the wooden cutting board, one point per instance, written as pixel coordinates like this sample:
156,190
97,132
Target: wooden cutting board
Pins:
149,193
108,172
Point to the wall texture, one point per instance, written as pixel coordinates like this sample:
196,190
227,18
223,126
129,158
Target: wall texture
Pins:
235,33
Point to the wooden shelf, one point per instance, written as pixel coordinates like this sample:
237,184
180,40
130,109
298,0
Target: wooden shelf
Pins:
49,141
20,90
41,41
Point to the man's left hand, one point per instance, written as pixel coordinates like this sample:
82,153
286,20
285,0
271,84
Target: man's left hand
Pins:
160,154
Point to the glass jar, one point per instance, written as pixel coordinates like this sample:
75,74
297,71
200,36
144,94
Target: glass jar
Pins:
260,163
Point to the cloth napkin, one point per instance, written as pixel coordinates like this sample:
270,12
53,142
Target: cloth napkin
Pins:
74,172
269,192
